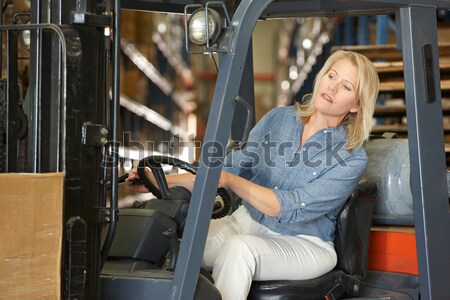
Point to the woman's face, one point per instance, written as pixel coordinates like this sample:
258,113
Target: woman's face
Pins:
336,91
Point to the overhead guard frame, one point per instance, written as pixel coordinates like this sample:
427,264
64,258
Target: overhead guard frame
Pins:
417,38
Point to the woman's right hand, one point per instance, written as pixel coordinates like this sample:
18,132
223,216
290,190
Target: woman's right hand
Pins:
133,174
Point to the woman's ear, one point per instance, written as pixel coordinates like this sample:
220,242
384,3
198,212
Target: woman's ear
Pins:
354,109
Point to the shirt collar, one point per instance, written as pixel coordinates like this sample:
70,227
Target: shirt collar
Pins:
339,133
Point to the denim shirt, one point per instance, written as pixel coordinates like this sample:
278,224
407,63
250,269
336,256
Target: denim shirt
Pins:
312,181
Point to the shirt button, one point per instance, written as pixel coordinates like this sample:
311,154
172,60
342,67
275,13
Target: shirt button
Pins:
304,149
303,204
266,142
314,173
276,188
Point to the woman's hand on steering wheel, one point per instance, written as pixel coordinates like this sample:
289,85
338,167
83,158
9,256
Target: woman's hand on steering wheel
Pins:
152,179
134,176
224,180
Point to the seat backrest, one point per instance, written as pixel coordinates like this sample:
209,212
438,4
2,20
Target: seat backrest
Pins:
353,230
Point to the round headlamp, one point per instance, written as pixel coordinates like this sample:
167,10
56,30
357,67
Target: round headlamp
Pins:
197,26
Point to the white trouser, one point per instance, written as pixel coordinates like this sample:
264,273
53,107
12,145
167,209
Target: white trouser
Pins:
239,250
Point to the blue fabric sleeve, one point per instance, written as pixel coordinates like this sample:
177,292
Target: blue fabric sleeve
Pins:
323,195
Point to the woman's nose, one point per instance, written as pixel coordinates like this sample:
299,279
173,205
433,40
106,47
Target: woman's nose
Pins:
332,88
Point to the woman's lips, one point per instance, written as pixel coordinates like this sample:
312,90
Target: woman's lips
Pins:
326,97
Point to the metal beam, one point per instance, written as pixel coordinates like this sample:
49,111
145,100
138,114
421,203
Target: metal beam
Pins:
297,8
247,92
213,151
173,6
426,149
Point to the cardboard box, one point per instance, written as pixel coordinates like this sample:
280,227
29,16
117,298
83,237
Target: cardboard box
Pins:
31,235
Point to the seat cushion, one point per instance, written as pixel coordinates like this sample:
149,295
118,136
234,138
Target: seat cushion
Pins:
311,289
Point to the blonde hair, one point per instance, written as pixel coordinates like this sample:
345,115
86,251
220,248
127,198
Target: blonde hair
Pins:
359,124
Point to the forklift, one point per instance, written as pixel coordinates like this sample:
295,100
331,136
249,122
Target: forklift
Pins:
71,109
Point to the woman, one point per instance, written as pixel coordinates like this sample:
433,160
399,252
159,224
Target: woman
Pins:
300,165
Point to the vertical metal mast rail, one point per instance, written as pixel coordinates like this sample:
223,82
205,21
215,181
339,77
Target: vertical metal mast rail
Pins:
68,136
426,148
222,109
115,134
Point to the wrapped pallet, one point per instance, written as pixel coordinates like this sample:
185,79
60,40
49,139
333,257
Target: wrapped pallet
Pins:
31,235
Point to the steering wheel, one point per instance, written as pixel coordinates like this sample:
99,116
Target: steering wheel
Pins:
222,203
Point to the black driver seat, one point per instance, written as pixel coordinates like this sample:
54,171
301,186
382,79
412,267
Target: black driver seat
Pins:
351,244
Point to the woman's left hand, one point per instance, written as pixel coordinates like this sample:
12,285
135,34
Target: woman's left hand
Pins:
224,180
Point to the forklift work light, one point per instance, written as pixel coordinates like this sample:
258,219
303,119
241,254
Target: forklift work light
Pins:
201,34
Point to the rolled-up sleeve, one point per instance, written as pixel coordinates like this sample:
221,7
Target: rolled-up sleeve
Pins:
322,195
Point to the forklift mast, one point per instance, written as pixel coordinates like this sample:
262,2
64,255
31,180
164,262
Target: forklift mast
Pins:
73,123
68,119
